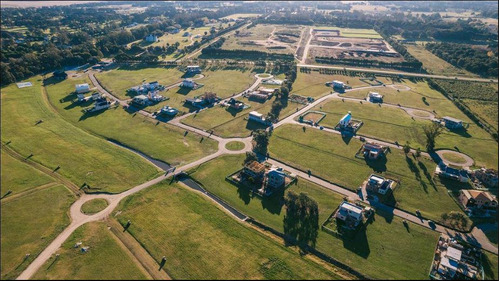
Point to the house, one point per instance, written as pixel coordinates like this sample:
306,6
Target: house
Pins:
375,97
346,120
488,177
145,88
257,117
235,104
196,102
256,95
169,111
60,75
100,104
452,123
82,88
446,171
266,91
254,170
186,34
272,81
193,69
151,38
338,84
80,97
373,151
350,214
275,177
188,83
477,199
140,100
379,184
456,261
96,96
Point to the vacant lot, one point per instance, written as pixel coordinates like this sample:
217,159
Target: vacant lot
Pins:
353,32
82,157
158,140
29,224
18,176
313,84
386,250
186,228
106,257
313,148
433,64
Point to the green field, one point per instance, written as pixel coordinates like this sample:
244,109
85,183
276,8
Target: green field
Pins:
476,142
201,241
353,32
433,64
158,140
387,250
329,156
106,258
18,176
29,224
236,16
94,206
82,158
235,145
490,265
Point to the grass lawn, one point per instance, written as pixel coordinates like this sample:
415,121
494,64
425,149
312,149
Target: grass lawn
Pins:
235,145
329,156
94,206
454,158
117,81
475,142
82,158
201,241
29,224
434,64
490,266
106,258
158,140
386,251
228,122
313,84
18,176
488,110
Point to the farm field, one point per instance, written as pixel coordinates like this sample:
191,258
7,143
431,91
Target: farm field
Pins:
106,258
476,142
29,224
313,148
133,130
117,81
172,221
434,64
18,176
56,142
383,251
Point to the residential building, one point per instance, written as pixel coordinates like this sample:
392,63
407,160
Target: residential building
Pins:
256,95
193,69
257,117
373,151
455,261
350,214
446,171
254,170
375,97
379,184
272,81
346,120
235,104
82,88
266,91
100,104
338,84
151,38
188,83
169,111
452,123
488,177
196,102
60,75
140,100
276,177
477,199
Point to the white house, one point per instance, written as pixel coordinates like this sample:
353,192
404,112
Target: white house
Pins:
257,117
167,110
151,38
188,83
275,177
375,97
272,81
140,100
338,84
452,123
350,213
82,88
344,121
193,69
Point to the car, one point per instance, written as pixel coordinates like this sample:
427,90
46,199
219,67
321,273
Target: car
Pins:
321,127
362,139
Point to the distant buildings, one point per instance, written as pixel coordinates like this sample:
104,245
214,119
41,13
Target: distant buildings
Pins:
82,88
151,38
146,88
193,69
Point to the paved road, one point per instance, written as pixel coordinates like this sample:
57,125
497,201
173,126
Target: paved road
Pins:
408,74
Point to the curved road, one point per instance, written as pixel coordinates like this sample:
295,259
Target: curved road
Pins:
78,218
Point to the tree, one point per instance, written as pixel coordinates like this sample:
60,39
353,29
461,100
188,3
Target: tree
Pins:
418,153
260,141
301,218
250,156
406,148
432,131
